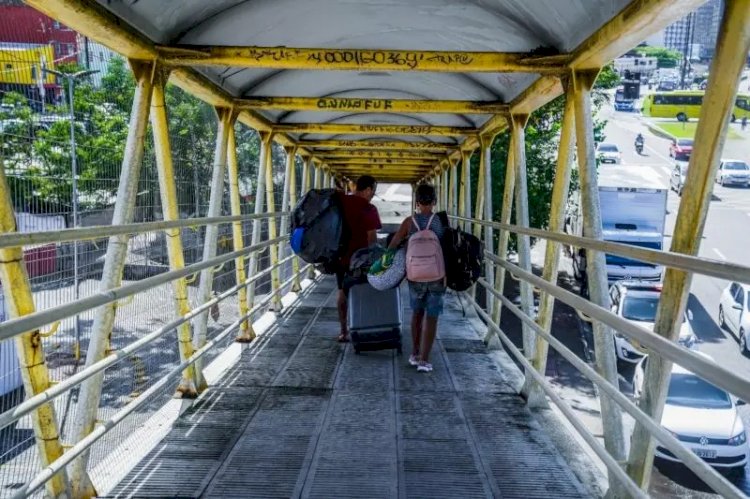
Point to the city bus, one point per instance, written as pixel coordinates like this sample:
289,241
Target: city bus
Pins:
685,105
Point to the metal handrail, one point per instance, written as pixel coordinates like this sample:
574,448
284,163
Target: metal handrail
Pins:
16,239
704,471
102,429
38,319
10,416
713,268
705,368
612,465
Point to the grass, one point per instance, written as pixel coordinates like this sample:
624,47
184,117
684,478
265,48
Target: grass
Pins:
687,130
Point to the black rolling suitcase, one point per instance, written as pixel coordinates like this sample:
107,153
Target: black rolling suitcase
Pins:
374,318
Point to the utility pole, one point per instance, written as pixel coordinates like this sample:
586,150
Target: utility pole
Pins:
71,78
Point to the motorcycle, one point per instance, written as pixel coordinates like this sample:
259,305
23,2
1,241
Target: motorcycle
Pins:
639,148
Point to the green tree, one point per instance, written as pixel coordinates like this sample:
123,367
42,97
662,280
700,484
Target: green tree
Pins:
542,143
665,58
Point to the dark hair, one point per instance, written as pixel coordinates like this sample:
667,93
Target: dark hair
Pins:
425,194
366,181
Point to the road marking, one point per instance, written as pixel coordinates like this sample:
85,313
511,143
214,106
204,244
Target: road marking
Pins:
721,255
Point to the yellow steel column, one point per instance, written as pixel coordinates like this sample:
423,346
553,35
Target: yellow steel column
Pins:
20,301
453,189
260,189
732,47
583,81
308,170
226,118
291,158
273,250
479,202
486,151
114,261
552,250
246,334
464,203
518,122
505,216
168,193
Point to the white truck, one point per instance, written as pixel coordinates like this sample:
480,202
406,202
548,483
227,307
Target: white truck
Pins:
633,202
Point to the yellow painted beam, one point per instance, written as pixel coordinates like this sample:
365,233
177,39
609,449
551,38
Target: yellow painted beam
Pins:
361,59
343,128
372,144
381,161
375,154
632,25
365,105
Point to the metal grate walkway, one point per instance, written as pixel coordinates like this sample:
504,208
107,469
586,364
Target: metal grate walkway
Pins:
303,416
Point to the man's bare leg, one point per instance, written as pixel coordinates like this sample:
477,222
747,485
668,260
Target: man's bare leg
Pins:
428,338
416,332
343,309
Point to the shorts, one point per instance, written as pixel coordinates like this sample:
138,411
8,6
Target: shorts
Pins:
427,297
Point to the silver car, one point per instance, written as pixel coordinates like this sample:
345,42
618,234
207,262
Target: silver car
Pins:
677,179
733,172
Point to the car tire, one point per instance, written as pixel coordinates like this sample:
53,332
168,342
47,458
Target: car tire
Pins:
682,117
743,342
679,190
722,322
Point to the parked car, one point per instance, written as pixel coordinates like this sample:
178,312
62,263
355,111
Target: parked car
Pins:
681,149
679,174
733,172
608,153
702,416
637,301
734,312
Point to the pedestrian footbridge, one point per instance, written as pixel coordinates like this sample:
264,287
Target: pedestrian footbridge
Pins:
195,357
299,415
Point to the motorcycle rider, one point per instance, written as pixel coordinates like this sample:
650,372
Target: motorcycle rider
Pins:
639,142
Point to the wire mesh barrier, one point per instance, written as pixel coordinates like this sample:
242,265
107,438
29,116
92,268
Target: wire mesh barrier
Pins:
65,118
654,344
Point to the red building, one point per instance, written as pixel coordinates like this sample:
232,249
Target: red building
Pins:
21,24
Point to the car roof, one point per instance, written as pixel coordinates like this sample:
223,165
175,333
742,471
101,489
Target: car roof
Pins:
607,144
678,369
731,160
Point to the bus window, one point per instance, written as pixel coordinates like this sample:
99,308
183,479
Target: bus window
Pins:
743,103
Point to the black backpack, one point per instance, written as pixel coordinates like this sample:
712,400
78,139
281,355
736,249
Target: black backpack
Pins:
317,228
463,254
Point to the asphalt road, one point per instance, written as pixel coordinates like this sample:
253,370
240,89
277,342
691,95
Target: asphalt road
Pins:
726,237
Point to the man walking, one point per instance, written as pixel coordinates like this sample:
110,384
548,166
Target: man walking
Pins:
361,224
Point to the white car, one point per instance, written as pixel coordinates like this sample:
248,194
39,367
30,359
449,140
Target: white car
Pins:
733,172
637,301
702,416
608,153
734,312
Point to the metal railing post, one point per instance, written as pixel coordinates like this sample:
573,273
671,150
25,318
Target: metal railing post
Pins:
290,194
479,202
308,171
558,203
518,122
453,187
273,251
19,299
464,208
168,193
505,214
246,334
260,189
114,261
596,268
486,145
732,47
226,118
290,152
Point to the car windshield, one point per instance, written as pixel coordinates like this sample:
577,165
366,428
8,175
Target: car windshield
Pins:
685,142
736,165
608,148
621,260
640,306
689,390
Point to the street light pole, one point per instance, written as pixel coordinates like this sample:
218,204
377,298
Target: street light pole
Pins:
71,78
